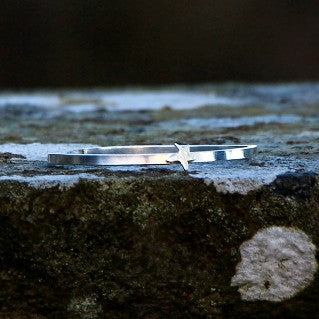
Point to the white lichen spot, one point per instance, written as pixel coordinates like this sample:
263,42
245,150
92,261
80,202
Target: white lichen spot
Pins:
276,264
85,307
238,177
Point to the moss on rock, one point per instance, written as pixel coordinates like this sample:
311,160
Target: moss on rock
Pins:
95,242
143,247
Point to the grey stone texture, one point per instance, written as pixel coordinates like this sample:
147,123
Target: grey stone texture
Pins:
227,240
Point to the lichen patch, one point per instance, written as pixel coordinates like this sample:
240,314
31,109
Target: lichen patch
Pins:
237,178
276,264
85,307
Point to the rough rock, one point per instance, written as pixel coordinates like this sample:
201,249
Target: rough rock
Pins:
227,240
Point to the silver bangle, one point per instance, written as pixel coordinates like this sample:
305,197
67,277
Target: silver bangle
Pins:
153,155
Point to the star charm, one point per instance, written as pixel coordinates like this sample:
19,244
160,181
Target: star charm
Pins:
183,156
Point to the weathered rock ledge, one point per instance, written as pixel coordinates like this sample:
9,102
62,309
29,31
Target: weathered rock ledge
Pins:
228,240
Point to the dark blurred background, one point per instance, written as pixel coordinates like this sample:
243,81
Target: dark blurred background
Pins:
52,43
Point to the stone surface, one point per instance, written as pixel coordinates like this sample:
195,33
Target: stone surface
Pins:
153,241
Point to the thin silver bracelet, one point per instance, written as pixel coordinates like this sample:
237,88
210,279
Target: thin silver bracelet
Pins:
153,155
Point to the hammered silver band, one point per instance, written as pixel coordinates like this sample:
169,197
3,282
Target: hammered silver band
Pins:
153,155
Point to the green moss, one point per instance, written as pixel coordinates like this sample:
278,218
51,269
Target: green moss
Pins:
163,245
